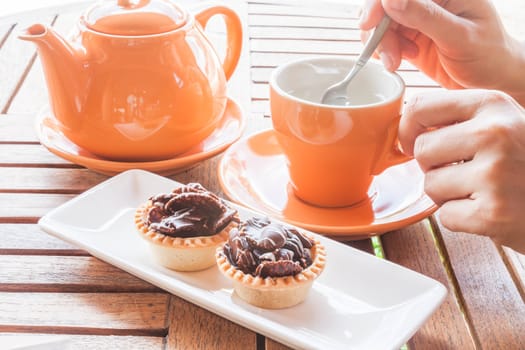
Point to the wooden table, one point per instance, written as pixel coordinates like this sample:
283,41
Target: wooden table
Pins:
50,287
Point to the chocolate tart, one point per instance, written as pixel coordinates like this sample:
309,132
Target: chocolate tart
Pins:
271,265
185,227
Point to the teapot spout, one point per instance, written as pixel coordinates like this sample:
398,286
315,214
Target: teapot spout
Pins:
34,33
63,67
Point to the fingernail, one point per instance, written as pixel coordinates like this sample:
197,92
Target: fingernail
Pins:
398,5
387,61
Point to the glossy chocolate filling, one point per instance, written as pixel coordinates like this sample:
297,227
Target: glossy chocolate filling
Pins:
188,211
262,248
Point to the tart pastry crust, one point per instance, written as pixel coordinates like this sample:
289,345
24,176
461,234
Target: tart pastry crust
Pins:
181,254
274,292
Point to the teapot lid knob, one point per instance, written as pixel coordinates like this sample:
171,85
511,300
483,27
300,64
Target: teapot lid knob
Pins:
134,17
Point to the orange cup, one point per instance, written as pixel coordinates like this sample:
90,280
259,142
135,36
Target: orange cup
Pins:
334,152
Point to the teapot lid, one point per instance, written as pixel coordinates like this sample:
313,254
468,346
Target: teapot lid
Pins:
135,17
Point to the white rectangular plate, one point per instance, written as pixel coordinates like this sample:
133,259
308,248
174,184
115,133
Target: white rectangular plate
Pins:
358,302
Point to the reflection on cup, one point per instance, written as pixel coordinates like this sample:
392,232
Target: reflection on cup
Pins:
333,152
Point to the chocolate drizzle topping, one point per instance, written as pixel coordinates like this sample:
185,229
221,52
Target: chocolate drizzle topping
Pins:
188,211
262,248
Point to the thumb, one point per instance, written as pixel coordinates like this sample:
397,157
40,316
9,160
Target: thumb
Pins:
426,16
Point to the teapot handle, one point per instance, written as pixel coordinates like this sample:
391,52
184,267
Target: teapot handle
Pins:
233,32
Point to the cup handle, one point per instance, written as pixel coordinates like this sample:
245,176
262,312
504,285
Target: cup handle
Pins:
233,33
391,153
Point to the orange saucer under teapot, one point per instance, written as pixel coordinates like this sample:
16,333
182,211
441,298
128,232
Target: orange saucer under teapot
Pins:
138,80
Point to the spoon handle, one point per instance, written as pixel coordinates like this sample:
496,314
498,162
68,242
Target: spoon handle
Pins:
368,51
373,41
336,94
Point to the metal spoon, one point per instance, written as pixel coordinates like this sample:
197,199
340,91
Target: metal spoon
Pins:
337,94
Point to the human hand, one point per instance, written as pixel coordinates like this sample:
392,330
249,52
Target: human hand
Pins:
471,146
459,44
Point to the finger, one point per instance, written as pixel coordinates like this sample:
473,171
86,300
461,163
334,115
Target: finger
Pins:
365,34
389,50
448,182
428,17
371,14
409,33
408,48
433,110
461,216
393,47
444,146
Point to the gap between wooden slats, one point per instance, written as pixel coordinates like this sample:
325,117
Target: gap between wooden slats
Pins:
423,254
84,313
487,288
5,31
19,146
214,332
16,59
516,264
31,93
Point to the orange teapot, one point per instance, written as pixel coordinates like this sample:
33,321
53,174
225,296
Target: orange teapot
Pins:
138,80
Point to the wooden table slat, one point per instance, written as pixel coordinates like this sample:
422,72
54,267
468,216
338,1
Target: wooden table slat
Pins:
332,11
274,345
414,248
94,342
48,180
5,30
85,313
487,288
20,273
273,59
278,33
17,128
214,332
306,46
30,239
517,265
16,58
300,22
27,207
49,286
30,156
30,99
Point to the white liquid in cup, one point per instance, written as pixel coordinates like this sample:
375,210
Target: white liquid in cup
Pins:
308,80
357,97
